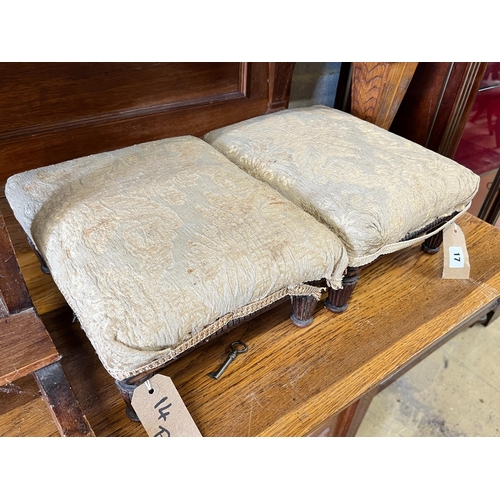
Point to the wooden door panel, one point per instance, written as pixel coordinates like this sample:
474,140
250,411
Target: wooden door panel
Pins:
53,112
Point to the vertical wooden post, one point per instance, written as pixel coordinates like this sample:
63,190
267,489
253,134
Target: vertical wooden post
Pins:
280,82
378,88
60,399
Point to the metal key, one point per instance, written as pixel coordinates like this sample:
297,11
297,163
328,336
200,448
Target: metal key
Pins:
236,348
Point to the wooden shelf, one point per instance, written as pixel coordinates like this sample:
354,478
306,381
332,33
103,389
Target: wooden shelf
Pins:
293,380
317,380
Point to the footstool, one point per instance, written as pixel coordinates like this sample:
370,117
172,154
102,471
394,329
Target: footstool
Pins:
377,191
160,246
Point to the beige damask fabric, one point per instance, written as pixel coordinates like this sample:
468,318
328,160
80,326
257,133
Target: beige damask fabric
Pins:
369,186
158,245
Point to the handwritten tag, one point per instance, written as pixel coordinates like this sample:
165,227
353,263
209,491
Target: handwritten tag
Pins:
456,259
161,409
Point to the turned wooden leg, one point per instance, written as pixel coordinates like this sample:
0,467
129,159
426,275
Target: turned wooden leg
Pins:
433,244
43,264
337,299
126,391
303,309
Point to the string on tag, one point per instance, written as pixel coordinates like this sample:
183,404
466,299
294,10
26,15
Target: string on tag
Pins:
161,410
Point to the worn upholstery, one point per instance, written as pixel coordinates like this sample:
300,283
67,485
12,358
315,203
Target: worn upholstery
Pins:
158,245
371,187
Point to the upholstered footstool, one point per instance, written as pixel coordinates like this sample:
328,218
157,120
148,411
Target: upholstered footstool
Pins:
376,191
160,246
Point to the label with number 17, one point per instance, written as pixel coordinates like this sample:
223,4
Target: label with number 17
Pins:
457,259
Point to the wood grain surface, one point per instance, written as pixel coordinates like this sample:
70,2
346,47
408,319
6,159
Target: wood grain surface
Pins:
52,112
31,350
378,89
316,380
26,348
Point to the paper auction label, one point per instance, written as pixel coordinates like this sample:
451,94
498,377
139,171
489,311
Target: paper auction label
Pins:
161,409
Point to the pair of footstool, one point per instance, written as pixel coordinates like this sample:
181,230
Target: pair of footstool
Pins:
160,246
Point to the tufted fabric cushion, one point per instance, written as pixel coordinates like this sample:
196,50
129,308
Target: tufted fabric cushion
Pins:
370,187
157,246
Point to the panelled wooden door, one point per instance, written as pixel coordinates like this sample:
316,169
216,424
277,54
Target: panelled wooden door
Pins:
52,112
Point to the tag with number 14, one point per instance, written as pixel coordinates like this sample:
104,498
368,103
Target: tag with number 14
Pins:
161,409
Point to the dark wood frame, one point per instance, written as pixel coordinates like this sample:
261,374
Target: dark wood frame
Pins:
27,348
436,106
435,111
490,209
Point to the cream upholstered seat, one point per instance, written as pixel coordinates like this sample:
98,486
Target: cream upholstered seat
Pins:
375,190
158,246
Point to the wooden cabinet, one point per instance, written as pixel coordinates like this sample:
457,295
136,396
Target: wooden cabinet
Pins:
479,144
437,104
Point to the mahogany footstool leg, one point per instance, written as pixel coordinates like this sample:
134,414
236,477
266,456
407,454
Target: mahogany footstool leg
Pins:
433,244
303,309
126,388
337,299
43,264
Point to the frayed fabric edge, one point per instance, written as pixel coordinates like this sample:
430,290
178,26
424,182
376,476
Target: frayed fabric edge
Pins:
205,333
301,290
